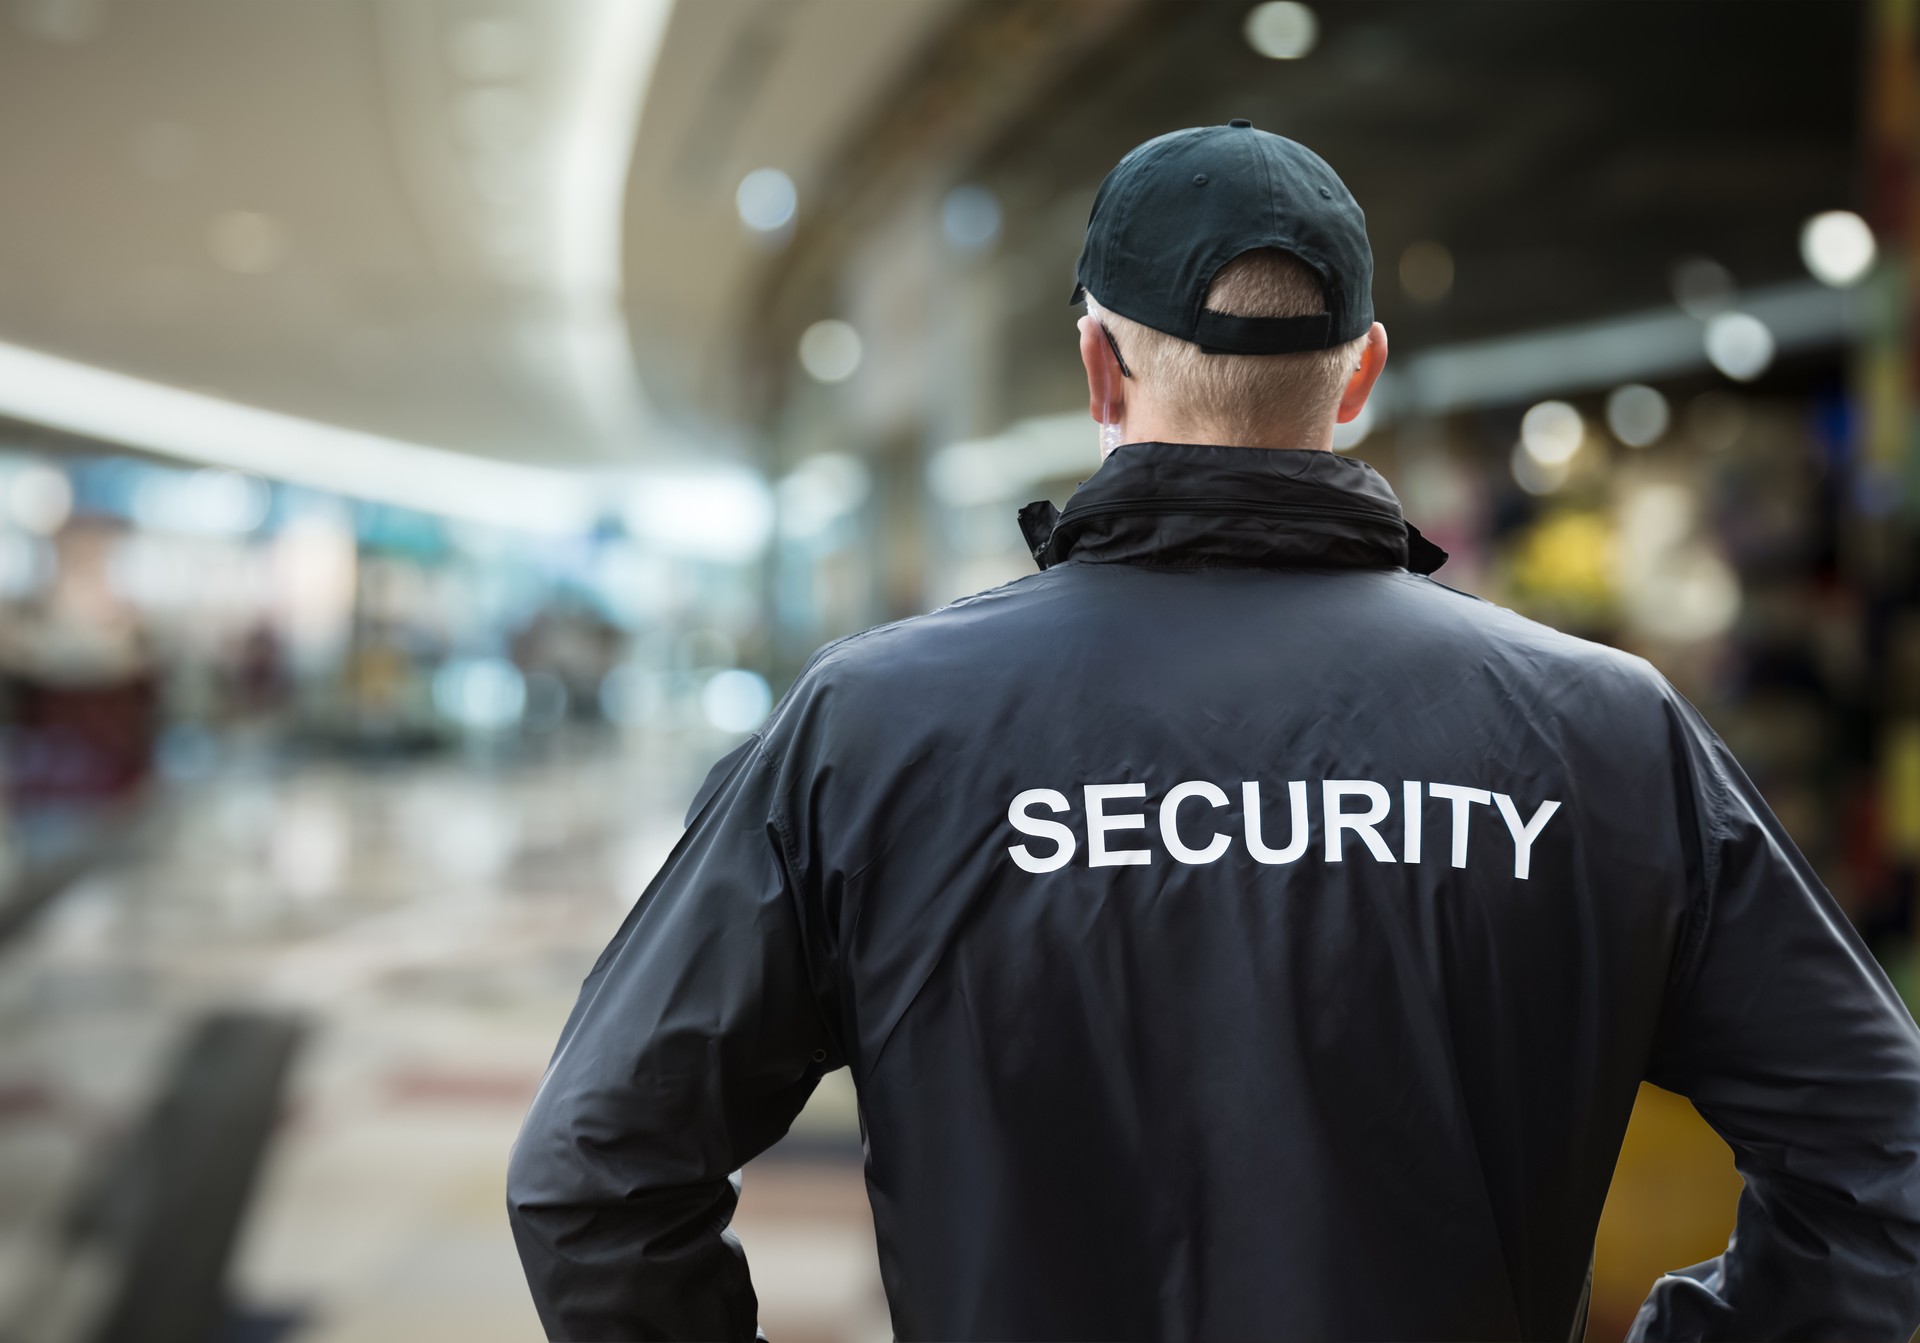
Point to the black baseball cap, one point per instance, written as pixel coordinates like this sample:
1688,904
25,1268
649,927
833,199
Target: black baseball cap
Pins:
1179,207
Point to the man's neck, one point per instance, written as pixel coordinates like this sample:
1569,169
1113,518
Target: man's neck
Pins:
1148,429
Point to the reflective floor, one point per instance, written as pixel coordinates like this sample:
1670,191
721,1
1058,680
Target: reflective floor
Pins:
430,922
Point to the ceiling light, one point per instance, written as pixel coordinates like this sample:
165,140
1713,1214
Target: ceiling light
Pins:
1739,345
1838,248
970,218
830,351
115,408
766,199
609,49
1281,30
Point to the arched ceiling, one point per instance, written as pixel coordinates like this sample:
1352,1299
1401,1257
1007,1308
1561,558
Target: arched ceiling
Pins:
747,84
416,220
374,215
506,228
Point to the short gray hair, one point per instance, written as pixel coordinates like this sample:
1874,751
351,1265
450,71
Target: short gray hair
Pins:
1241,398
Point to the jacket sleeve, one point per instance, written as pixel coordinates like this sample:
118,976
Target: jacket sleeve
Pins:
695,1041
1791,1043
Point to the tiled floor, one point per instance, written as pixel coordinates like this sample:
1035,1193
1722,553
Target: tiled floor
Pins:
432,922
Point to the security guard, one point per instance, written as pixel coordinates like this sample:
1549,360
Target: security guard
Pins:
1232,932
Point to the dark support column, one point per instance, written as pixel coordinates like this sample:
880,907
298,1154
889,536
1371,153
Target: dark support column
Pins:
1882,554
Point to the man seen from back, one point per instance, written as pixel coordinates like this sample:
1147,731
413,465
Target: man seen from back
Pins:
1231,931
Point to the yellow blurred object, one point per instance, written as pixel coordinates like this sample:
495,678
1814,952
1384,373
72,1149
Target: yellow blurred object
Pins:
1563,567
1901,789
1671,1205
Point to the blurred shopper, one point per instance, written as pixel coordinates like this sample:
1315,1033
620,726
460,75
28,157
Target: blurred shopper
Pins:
1232,932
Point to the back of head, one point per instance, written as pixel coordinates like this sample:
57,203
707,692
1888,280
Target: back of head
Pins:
1244,399
1232,269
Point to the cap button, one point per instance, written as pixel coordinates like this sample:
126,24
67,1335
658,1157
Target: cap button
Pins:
1241,123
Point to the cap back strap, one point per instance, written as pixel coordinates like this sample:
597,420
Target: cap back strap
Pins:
1223,333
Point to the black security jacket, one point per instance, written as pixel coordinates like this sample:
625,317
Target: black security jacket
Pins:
1211,964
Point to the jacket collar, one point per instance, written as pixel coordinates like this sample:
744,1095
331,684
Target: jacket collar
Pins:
1190,504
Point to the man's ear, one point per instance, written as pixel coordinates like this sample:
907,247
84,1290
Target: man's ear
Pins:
1373,358
1106,397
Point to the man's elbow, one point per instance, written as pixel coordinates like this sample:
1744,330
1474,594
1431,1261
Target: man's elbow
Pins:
1885,1246
544,1218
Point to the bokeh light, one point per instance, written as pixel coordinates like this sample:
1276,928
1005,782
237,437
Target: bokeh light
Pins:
39,499
1426,272
1637,414
485,694
1701,286
1282,30
736,700
722,514
970,218
1716,420
1537,476
1740,345
830,351
819,492
209,501
1551,432
1838,248
767,200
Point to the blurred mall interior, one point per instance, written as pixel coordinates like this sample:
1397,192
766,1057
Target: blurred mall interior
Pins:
431,431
